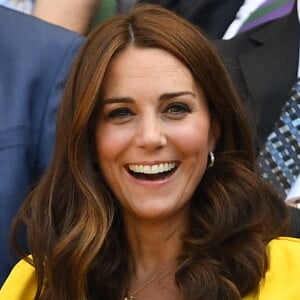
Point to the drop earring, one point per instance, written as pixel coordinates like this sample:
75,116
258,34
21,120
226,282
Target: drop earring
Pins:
211,159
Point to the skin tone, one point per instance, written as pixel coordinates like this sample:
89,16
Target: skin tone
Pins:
153,137
75,15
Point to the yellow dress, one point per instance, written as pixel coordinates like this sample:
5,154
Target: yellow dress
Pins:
282,280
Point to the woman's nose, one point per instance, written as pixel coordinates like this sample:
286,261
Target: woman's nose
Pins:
150,134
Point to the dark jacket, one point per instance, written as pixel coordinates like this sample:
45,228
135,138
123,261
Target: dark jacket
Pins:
35,57
212,16
263,63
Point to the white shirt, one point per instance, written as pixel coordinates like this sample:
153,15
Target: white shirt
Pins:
24,6
242,15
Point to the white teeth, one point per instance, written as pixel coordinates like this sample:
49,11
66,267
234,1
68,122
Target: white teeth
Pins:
152,169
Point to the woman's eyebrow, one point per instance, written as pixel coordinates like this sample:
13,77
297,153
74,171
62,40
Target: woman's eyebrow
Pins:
167,96
117,100
164,96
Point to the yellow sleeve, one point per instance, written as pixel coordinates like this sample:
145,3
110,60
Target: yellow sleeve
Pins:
282,278
20,284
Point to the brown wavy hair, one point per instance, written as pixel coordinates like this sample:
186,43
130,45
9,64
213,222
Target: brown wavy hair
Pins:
74,223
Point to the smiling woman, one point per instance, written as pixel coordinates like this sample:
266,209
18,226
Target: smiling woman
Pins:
153,190
157,126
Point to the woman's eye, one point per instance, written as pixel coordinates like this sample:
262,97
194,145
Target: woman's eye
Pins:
120,113
178,108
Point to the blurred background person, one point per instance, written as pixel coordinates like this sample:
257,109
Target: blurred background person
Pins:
264,65
35,58
224,19
76,15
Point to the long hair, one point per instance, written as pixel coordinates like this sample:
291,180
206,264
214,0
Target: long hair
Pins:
74,224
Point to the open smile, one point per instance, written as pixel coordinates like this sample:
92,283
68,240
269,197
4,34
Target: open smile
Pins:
152,172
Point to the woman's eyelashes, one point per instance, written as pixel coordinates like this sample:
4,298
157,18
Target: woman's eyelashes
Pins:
178,109
174,110
120,113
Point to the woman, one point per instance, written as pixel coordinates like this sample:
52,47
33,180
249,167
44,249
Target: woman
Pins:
152,192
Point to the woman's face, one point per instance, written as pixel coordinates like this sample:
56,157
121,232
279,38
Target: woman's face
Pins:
153,133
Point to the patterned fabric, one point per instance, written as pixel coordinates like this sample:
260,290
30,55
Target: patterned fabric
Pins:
280,158
269,10
25,6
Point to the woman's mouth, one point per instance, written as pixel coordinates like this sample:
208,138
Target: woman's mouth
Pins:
152,172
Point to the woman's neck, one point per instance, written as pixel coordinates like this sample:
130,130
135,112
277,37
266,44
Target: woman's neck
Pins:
154,246
154,250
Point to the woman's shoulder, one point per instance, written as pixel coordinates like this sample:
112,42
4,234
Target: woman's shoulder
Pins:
20,284
281,280
284,243
282,277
